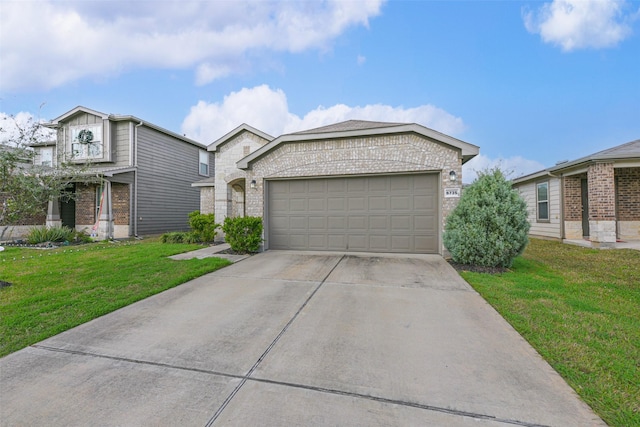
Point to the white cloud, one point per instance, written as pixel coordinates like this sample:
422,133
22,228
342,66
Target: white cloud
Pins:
361,59
49,43
513,167
579,24
17,129
267,109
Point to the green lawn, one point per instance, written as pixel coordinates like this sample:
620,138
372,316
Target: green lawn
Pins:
580,308
55,290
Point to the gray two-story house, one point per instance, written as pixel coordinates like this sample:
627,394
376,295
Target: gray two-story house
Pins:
136,176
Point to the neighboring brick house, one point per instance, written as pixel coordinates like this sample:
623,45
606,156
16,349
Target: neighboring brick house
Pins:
596,197
138,175
351,186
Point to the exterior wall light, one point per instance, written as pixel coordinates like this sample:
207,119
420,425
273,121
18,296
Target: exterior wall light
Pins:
452,176
253,184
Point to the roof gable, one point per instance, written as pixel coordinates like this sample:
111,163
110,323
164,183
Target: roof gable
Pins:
215,145
359,128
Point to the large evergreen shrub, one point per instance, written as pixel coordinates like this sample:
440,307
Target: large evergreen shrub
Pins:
243,234
203,226
489,226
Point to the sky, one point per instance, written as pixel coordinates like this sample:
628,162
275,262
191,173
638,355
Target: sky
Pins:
530,82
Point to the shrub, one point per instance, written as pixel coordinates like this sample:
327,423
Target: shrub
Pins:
489,226
203,225
177,237
43,234
243,234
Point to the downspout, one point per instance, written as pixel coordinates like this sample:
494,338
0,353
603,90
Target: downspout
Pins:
135,179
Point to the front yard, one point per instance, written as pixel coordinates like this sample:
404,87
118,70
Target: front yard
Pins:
55,290
580,308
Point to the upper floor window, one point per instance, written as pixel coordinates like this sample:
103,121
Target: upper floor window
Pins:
86,141
204,163
46,156
542,196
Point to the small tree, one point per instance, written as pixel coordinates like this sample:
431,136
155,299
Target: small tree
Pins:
489,227
25,188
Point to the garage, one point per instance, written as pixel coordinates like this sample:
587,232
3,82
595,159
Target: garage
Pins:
386,213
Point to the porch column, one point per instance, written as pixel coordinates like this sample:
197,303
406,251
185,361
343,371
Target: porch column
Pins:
602,205
53,214
105,222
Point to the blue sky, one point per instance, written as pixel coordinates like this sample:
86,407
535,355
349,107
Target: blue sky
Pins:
530,82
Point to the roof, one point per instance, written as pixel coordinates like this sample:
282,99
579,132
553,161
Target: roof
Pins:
360,128
215,145
117,117
347,126
628,151
207,182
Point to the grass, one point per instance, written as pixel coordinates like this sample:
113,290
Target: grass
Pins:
55,290
580,309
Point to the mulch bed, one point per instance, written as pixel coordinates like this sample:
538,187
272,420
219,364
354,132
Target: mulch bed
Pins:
232,252
478,268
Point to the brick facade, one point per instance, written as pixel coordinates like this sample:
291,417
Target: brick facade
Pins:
120,202
86,204
601,192
628,194
355,156
572,199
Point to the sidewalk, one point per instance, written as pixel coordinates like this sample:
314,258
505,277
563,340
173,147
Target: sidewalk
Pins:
210,251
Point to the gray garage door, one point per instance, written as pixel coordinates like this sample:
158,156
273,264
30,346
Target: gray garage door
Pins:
396,213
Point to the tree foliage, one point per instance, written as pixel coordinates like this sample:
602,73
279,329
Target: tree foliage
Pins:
489,227
26,188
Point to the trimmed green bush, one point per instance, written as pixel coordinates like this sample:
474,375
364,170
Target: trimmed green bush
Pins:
203,225
178,237
243,234
489,226
43,234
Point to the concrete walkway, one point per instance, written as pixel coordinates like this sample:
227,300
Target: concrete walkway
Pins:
632,244
289,338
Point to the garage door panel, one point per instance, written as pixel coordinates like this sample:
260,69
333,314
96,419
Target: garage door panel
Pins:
357,203
336,204
297,223
337,242
401,203
358,223
401,223
378,203
317,241
393,213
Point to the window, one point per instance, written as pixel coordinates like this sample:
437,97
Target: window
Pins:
542,195
204,163
86,141
46,157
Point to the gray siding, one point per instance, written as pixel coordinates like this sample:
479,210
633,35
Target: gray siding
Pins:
166,169
549,228
121,143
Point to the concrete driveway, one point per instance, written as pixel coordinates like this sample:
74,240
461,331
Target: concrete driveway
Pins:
289,338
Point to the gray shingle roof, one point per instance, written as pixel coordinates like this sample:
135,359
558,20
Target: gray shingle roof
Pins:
347,126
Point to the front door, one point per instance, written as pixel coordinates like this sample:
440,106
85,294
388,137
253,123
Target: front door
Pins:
585,208
68,208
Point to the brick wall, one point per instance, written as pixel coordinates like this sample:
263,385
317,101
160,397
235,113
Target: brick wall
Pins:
572,199
120,203
628,194
601,192
85,204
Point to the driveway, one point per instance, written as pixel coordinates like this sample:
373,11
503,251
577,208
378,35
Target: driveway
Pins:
295,338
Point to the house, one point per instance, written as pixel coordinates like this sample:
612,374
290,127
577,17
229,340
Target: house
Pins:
596,197
351,186
136,176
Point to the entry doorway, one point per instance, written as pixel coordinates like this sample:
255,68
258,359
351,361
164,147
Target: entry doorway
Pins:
585,207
